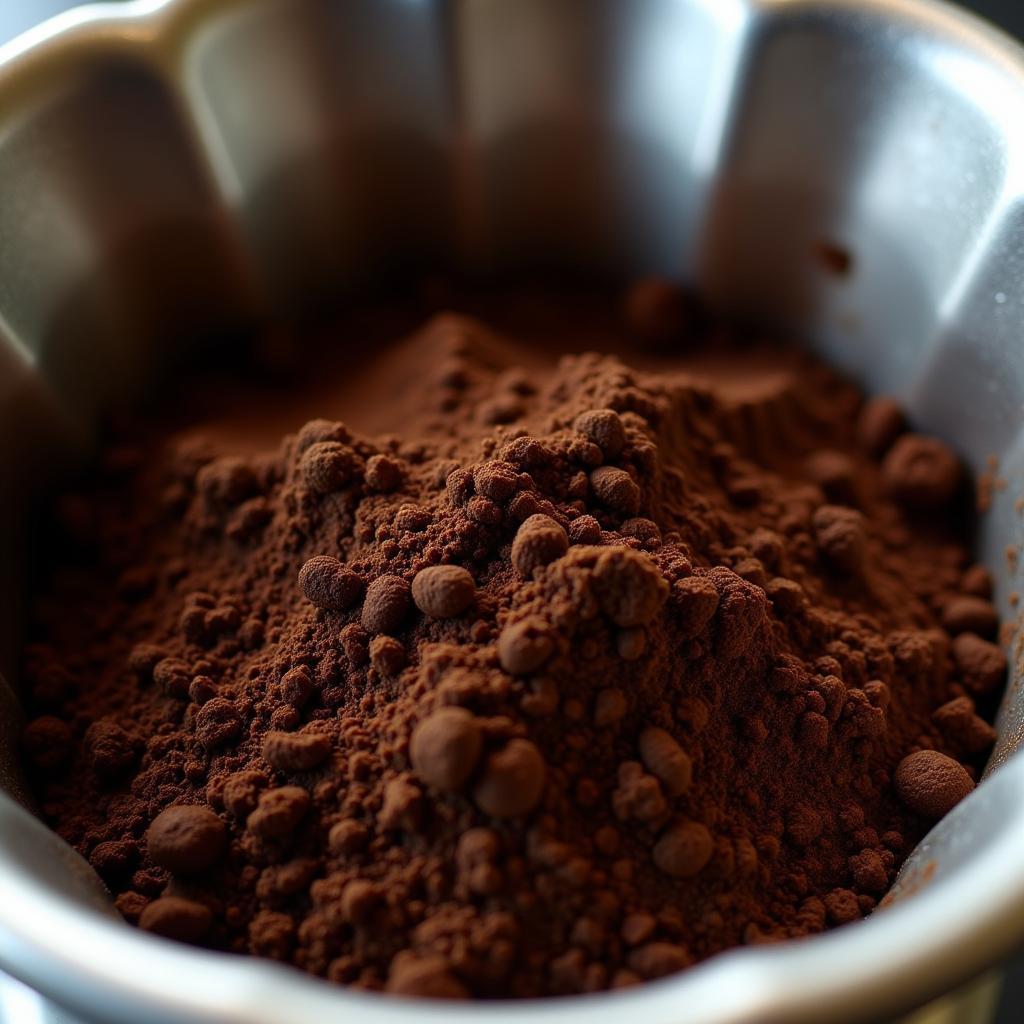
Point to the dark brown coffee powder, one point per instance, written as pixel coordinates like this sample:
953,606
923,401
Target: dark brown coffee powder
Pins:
598,672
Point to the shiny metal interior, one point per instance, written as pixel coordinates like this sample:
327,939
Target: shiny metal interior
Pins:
172,169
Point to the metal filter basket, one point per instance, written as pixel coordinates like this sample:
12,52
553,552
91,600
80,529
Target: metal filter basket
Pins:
173,167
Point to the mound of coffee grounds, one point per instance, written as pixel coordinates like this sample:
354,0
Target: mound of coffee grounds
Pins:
594,672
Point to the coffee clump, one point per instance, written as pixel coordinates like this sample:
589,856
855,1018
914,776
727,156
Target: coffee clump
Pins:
597,673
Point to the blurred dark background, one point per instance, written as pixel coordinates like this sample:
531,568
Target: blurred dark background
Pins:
1008,13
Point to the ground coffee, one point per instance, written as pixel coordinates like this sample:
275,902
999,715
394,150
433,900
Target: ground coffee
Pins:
597,672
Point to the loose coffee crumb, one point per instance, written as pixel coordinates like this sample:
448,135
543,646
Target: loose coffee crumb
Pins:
443,591
186,839
931,783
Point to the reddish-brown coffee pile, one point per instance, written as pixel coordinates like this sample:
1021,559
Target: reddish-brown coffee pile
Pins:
606,671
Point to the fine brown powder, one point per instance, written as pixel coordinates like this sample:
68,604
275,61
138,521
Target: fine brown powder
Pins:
589,669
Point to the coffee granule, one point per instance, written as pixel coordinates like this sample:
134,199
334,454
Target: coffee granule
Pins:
597,671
